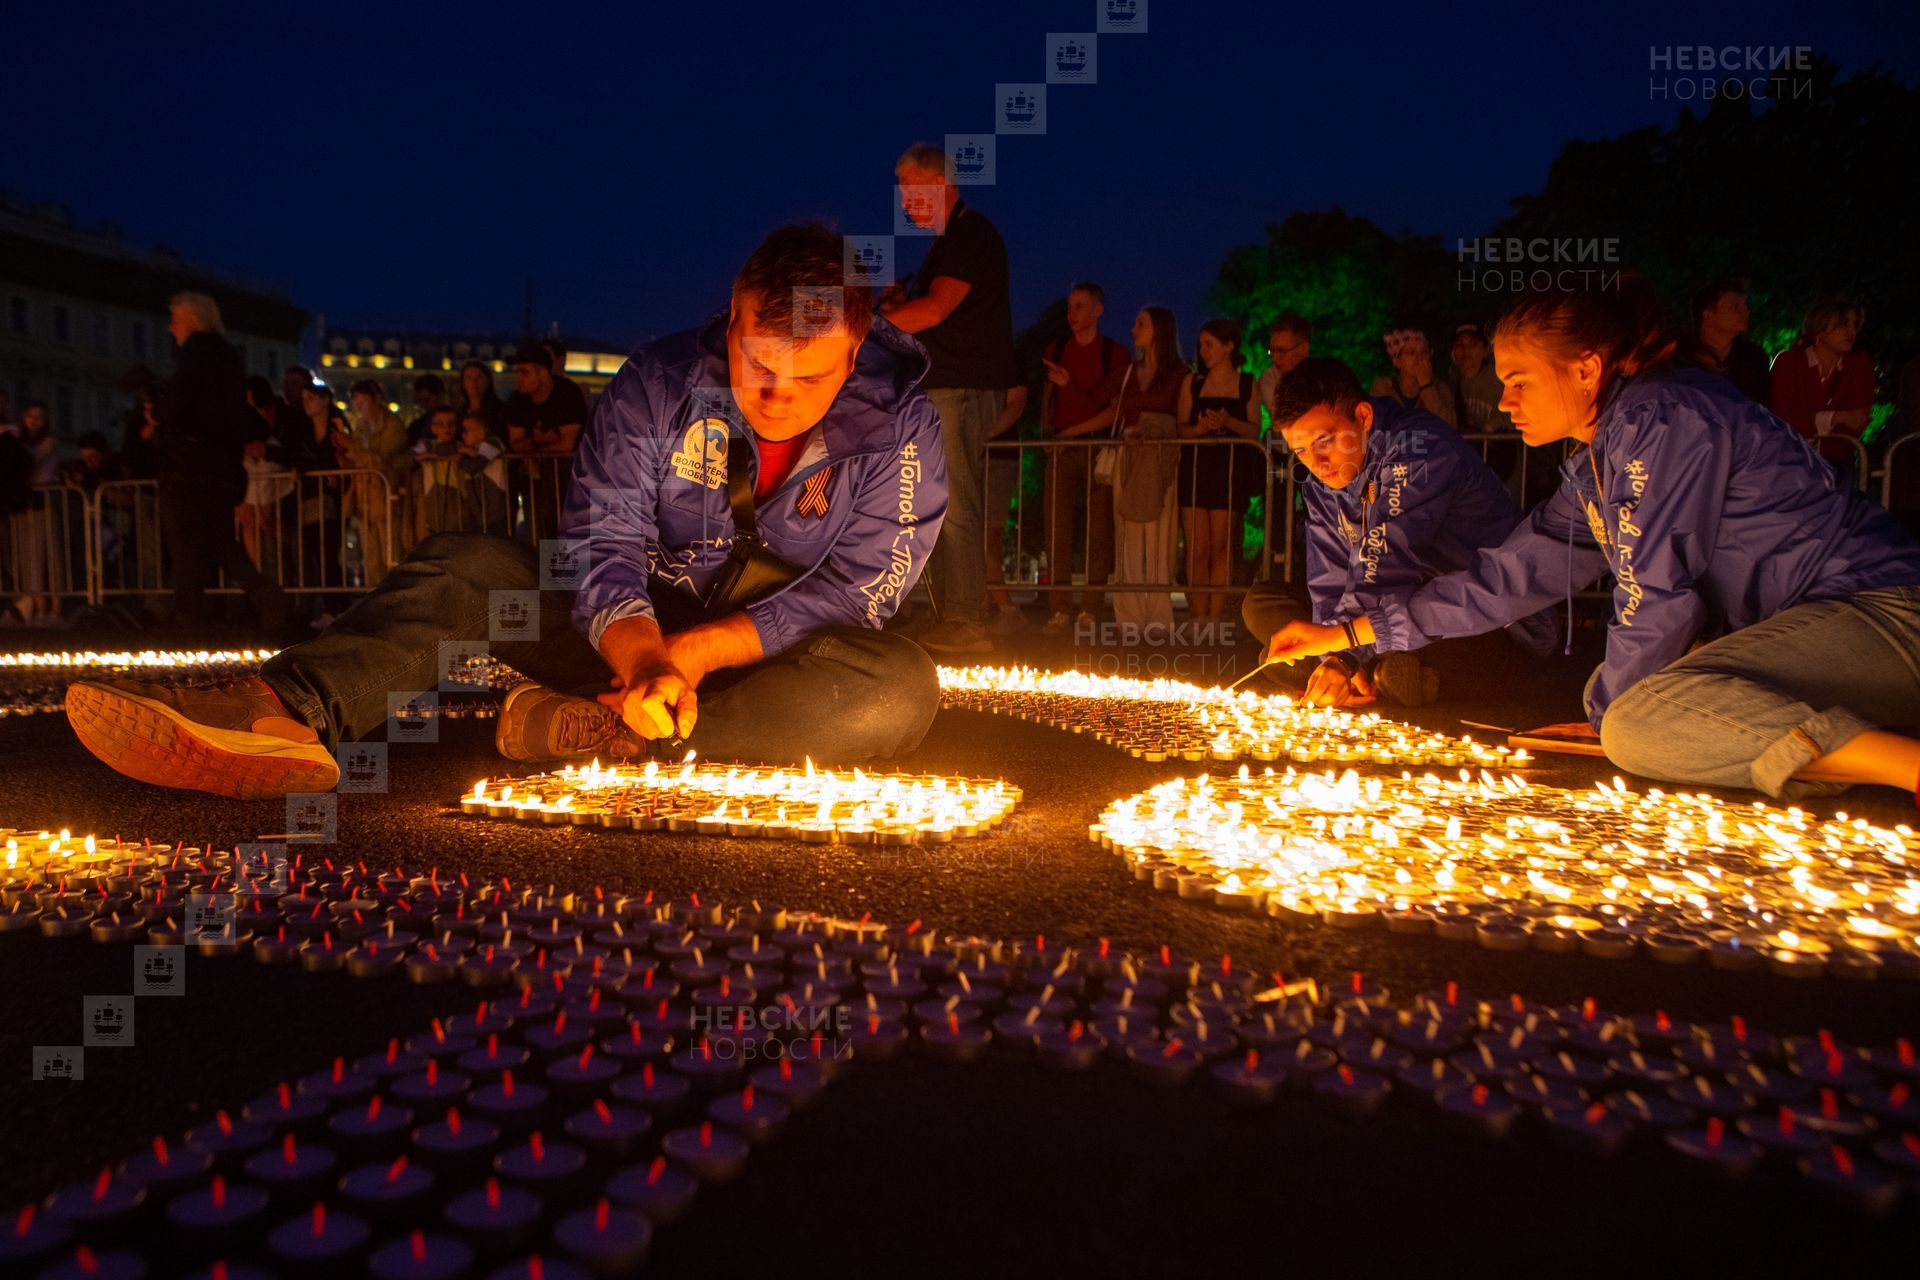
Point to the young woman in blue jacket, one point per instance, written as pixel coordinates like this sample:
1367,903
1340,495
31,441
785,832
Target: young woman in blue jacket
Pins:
1766,624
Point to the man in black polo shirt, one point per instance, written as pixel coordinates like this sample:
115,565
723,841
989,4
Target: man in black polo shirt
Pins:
959,309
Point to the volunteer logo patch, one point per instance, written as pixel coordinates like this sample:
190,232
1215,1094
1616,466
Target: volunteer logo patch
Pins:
702,455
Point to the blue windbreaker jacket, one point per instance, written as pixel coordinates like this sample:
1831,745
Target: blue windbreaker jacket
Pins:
1423,504
859,513
1712,514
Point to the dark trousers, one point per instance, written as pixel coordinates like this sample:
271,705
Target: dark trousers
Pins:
843,694
197,521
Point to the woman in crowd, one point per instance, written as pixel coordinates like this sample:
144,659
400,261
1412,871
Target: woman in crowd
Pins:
1766,616
1821,385
476,384
1411,382
1218,402
1143,472
322,529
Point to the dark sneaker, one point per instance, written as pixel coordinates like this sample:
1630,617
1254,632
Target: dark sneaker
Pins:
537,723
1401,678
237,739
957,636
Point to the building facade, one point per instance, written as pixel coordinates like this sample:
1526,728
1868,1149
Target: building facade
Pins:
395,360
81,310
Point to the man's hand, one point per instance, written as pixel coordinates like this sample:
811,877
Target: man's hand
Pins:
1331,686
1299,640
660,704
1056,374
1851,419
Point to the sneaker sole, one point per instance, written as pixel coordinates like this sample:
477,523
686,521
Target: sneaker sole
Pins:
150,742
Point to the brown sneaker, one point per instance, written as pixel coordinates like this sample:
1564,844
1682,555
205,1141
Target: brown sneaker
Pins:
236,740
536,723
1402,678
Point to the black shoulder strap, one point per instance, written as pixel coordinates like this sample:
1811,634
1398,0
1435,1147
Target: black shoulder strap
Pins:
740,488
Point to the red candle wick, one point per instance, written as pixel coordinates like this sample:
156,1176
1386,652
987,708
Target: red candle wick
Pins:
1346,1074
339,1070
395,1169
493,1193
1829,1104
161,1154
287,1152
913,928
225,1123
1843,1161
538,1146
706,1135
101,1183
1596,1112
786,1069
586,1056
1252,1063
23,1223
646,1075
1786,1122
601,1110
746,1098
84,1258
319,1219
453,1121
600,1213
219,1195
1661,1020
285,1095
433,1071
1105,945
417,1244
1716,1130
506,1084
373,1107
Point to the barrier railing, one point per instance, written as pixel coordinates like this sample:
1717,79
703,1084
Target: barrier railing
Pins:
1122,554
1900,490
519,495
328,531
1853,462
48,547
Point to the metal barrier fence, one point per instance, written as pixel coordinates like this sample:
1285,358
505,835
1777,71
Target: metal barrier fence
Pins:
337,531
1078,510
1900,490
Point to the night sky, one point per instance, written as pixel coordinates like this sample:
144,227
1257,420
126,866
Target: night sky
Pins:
398,170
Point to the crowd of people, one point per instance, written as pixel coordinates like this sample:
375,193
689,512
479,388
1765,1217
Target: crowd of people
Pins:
320,494
1151,455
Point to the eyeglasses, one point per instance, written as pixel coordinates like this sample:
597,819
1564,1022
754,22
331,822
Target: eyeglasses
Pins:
1278,352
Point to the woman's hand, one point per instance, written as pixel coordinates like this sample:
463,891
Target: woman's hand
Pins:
1299,640
1332,686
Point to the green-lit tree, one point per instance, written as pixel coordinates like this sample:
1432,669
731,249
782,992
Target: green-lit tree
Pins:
1345,274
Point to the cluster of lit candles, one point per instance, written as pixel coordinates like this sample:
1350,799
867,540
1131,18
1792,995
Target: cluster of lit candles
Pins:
1174,720
590,1093
809,804
1494,859
36,683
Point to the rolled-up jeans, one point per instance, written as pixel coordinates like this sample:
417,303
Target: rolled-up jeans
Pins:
958,565
842,694
1754,707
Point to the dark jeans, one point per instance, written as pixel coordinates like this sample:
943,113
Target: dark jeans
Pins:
843,694
197,521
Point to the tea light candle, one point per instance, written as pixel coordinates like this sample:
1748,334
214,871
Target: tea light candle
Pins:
1353,1092
100,1208
420,1256
318,1238
1724,1154
1595,1128
608,1133
659,1190
713,1154
228,1140
1860,1184
495,1217
653,1088
606,1241
749,1113
386,1192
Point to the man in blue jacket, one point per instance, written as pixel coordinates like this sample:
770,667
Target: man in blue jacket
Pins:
750,502
1396,499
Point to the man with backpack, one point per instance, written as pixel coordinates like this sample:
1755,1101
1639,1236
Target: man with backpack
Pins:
1084,370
